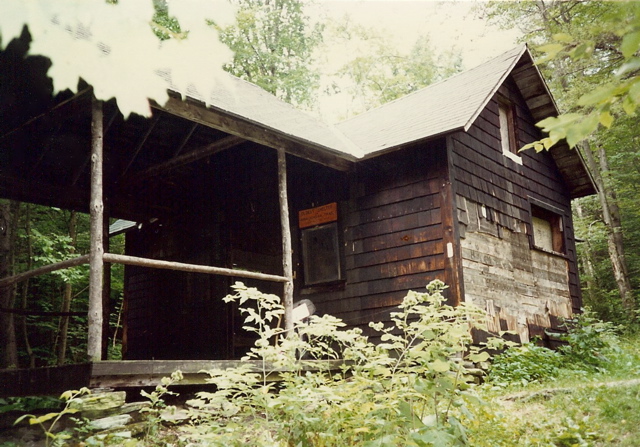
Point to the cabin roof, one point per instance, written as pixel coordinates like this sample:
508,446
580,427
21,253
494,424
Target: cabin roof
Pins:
449,105
246,112
244,100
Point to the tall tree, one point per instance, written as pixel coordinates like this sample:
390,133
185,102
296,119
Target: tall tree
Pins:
378,71
273,43
68,291
9,214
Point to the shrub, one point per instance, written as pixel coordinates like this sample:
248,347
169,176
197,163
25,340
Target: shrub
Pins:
589,341
412,389
524,364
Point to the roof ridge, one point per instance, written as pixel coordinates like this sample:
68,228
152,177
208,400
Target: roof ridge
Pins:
514,50
517,51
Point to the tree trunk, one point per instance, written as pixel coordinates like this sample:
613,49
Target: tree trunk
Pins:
611,217
25,288
68,291
8,229
586,256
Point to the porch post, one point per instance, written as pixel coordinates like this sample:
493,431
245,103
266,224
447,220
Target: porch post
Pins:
96,251
287,261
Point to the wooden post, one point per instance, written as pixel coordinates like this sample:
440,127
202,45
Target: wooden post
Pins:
287,261
96,251
106,284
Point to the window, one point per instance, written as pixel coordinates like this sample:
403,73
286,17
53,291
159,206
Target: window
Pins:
321,254
320,244
548,230
508,138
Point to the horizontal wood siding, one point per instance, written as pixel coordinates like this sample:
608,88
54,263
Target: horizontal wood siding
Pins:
392,233
485,177
231,221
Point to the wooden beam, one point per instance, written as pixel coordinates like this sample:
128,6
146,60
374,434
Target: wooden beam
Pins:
453,272
287,252
96,252
190,157
210,117
195,268
185,139
74,262
58,106
143,140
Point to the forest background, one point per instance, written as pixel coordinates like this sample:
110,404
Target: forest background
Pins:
588,54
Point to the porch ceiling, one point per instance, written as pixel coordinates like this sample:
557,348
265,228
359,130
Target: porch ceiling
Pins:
45,144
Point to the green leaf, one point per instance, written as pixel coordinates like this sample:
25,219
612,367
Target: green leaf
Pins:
630,66
43,418
559,123
598,96
582,50
479,357
563,37
23,417
606,119
628,105
634,92
433,437
439,365
407,412
630,44
551,48
581,130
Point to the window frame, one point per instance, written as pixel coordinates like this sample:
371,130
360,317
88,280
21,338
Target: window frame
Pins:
555,217
308,261
507,122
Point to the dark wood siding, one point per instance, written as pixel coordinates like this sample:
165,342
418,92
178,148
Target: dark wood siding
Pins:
392,229
487,178
232,220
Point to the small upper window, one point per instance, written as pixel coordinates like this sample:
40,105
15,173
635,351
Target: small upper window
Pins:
508,139
548,230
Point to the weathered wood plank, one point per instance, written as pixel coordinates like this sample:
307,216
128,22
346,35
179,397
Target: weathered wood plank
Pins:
402,223
394,254
396,269
396,239
396,209
400,194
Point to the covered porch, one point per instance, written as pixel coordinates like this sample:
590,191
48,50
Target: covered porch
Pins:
207,188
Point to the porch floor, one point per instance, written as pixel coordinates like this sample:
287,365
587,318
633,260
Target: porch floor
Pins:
54,380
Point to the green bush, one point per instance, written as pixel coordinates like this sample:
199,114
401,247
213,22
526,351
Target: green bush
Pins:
589,345
524,364
413,389
589,341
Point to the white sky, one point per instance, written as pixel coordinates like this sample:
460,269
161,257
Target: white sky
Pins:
449,24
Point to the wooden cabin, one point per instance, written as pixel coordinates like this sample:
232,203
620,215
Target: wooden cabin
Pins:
430,186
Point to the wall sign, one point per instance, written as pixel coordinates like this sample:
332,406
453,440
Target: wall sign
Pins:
319,215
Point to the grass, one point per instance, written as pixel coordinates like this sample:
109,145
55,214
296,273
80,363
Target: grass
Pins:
577,408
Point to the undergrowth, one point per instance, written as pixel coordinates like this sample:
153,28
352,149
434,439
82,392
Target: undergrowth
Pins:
413,389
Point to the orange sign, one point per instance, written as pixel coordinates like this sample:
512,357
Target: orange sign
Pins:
319,215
